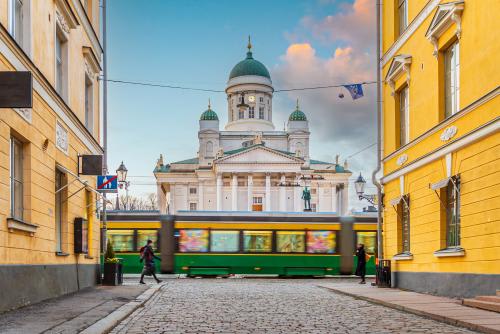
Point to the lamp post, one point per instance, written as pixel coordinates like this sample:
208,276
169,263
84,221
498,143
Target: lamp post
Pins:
121,173
360,184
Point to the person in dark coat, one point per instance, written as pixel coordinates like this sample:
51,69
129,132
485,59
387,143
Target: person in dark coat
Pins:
361,267
148,256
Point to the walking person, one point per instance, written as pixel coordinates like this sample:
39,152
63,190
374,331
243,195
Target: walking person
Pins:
361,267
148,256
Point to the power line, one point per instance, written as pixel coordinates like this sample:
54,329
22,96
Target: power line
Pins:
148,84
364,149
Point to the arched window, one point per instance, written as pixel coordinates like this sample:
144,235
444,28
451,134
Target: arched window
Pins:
210,149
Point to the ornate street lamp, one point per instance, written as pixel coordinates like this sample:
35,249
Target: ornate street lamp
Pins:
360,184
121,173
242,105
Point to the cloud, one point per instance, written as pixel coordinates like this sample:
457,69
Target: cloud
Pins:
338,125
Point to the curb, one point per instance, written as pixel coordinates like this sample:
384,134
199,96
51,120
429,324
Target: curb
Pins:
433,316
106,324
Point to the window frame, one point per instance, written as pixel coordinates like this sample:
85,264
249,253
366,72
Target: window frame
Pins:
261,112
60,202
251,112
61,65
89,104
356,240
304,241
452,213
403,211
13,178
402,24
403,116
451,68
193,204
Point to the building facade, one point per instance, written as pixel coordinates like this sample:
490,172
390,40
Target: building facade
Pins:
440,140
41,194
250,166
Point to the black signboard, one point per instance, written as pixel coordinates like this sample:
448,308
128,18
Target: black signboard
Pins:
16,90
90,164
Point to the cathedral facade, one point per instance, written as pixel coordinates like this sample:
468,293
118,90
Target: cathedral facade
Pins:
250,166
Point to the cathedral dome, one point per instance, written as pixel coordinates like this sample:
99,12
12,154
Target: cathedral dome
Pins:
249,66
297,115
209,115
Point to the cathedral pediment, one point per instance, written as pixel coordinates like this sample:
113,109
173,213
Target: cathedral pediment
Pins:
258,154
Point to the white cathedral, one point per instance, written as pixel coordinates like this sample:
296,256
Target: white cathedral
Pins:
250,166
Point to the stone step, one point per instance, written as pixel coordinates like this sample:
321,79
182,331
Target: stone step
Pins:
495,307
491,299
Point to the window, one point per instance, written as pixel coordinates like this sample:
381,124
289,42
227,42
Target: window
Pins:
452,79
60,201
16,178
192,206
404,223
210,149
192,191
322,242
402,15
261,112
122,240
144,235
224,241
251,112
369,239
17,21
290,241
61,63
193,241
257,241
257,200
261,99
89,105
403,116
241,114
453,213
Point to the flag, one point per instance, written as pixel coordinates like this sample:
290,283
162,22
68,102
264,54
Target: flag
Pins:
356,90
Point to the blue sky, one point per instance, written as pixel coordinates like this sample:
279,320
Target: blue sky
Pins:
196,43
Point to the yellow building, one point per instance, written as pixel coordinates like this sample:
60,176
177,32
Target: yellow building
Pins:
441,145
58,42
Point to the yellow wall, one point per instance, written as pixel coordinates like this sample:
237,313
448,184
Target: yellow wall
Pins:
19,247
478,162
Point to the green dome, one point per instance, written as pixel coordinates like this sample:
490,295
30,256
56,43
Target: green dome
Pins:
209,115
297,115
249,66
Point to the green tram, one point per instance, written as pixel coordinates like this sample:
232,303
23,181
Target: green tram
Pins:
208,243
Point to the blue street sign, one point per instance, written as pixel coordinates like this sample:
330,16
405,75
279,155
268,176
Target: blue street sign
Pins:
107,183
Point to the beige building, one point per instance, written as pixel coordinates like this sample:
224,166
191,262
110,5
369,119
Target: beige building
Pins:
41,194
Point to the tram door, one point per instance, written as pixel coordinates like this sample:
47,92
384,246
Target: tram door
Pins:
257,204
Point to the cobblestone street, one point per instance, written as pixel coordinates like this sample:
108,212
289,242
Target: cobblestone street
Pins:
267,306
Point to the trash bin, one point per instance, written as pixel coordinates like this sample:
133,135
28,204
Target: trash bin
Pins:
384,274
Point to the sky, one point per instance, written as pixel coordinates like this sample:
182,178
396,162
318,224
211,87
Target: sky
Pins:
195,43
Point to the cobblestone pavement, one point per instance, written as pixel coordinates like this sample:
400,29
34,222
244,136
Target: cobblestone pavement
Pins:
267,306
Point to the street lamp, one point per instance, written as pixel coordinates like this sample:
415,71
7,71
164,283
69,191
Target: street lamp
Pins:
121,173
359,185
242,105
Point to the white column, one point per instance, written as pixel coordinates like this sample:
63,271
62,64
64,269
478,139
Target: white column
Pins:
219,192
297,196
201,198
234,193
172,199
250,192
334,198
162,200
345,199
282,194
318,196
268,192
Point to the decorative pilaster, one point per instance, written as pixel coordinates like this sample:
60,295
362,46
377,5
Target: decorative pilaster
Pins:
282,193
161,200
334,197
250,192
201,198
234,193
219,192
297,201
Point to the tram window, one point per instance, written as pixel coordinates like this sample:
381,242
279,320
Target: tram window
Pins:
257,241
122,240
144,235
225,241
193,241
369,239
290,241
321,242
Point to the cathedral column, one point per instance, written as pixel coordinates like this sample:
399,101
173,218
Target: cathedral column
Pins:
201,198
282,193
219,192
268,192
250,192
162,199
318,195
297,195
345,199
334,198
234,193
172,199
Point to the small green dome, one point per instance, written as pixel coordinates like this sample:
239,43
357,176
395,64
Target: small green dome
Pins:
297,115
209,114
249,66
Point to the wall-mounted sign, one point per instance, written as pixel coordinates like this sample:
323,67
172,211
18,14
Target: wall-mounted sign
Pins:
16,89
107,183
89,164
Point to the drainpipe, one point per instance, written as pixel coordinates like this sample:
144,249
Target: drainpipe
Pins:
104,119
380,254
